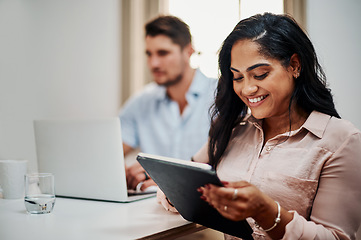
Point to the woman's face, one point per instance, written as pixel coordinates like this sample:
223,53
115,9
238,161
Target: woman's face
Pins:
263,84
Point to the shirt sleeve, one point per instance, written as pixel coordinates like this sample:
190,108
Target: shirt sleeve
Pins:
128,123
336,211
202,154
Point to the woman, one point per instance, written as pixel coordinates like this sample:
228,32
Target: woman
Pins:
291,167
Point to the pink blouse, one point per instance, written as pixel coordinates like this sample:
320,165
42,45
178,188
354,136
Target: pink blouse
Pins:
314,172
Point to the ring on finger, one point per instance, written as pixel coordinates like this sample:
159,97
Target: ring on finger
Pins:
146,176
225,208
235,192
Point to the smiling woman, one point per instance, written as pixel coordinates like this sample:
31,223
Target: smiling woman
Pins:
285,163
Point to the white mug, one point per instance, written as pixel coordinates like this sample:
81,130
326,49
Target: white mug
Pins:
12,174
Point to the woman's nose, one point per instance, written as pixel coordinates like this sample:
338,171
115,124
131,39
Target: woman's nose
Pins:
249,88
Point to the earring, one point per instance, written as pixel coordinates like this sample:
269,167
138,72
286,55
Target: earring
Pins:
297,75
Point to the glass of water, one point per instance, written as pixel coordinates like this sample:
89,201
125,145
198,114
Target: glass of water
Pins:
39,193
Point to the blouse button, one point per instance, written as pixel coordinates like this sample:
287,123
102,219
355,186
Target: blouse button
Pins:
268,149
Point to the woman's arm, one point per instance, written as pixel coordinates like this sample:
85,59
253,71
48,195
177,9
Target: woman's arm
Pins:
202,154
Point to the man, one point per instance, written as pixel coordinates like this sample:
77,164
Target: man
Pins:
170,116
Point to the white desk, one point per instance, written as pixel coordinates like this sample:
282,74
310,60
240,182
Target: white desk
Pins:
88,220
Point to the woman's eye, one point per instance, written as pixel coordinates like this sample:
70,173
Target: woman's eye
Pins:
260,77
238,79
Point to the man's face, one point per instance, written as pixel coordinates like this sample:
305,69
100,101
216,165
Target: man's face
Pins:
166,60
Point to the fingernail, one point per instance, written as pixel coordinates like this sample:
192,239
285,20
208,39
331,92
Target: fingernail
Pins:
203,198
208,186
200,190
225,182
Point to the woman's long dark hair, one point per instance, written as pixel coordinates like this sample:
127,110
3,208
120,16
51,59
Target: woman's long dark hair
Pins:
279,37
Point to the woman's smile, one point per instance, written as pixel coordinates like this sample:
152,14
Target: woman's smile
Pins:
257,99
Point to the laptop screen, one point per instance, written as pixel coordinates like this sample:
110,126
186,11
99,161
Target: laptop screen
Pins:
85,156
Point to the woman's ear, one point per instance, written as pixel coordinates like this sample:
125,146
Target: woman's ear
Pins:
295,65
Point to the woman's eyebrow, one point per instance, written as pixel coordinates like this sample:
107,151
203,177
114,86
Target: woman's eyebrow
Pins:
256,66
236,70
251,67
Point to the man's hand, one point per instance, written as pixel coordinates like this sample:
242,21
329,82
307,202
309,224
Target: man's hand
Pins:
136,175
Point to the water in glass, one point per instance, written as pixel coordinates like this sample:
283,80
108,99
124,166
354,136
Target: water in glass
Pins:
38,204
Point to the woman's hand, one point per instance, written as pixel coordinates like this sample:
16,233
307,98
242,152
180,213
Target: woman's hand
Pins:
235,201
240,200
162,199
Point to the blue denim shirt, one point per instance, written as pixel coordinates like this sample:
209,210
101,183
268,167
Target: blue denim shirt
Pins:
151,121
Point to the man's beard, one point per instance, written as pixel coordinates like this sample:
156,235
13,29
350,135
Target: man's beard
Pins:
177,79
172,82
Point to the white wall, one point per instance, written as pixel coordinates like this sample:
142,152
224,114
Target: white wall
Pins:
334,28
58,58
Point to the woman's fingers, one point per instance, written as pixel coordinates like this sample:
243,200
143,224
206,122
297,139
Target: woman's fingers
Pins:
232,201
218,197
239,184
162,199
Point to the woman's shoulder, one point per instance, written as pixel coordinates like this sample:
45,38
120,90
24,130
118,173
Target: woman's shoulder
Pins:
325,126
339,132
341,127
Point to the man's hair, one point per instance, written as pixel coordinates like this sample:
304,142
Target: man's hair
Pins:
170,26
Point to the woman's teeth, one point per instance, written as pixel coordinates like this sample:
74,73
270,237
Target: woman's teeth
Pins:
255,100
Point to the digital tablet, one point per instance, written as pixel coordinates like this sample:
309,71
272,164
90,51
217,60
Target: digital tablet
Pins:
179,180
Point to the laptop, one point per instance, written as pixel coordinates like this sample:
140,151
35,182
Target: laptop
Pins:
86,158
